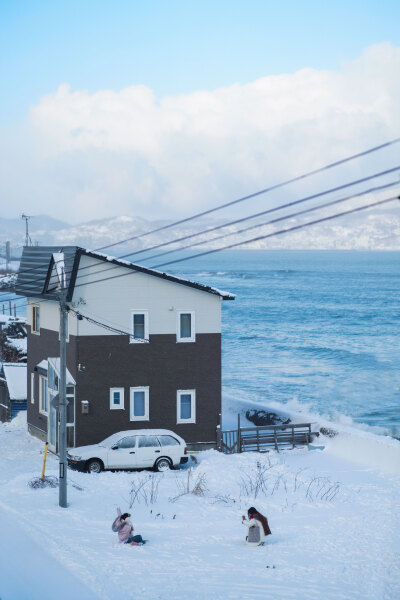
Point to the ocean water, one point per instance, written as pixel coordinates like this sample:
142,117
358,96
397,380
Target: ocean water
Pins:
313,330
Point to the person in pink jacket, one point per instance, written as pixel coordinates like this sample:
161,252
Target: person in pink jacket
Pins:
123,526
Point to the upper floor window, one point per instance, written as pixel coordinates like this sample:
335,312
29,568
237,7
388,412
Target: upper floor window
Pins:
116,398
186,327
140,326
35,319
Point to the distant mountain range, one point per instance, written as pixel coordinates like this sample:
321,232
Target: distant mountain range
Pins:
378,230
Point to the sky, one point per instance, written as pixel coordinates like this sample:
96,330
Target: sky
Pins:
144,108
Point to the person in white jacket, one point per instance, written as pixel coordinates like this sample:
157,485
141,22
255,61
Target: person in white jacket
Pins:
258,527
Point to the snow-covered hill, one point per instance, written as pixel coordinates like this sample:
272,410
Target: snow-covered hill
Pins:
379,230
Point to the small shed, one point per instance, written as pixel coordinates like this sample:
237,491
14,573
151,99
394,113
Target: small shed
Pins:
13,390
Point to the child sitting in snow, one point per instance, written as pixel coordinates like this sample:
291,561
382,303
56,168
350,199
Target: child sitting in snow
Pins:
258,527
123,526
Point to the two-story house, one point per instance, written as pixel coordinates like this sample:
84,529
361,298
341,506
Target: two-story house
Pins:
143,349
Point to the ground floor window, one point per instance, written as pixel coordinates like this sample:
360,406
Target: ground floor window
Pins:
139,409
33,388
43,395
186,406
116,398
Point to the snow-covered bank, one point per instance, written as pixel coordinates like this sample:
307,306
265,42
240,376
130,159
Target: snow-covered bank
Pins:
335,528
343,440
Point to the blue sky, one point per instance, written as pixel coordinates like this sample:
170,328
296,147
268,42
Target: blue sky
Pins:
175,46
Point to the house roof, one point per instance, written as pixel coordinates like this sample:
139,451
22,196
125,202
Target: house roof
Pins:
15,376
36,269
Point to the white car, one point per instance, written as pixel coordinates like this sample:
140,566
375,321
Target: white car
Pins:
160,449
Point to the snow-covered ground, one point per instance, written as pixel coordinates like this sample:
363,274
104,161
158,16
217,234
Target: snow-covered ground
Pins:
334,519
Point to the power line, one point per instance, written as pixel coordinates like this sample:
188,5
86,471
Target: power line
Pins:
261,237
265,212
259,193
277,220
265,190
243,219
253,239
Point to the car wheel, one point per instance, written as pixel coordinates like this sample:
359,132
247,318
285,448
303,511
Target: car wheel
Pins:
163,464
95,466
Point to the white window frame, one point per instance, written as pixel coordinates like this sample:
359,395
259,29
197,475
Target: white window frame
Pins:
179,419
146,416
32,388
35,310
134,312
192,338
121,405
42,410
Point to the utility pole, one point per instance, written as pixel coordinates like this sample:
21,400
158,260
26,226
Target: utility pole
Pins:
28,241
63,397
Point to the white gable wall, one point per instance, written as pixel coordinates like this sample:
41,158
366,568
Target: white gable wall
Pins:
112,301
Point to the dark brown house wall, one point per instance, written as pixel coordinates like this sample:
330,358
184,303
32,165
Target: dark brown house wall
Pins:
111,361
165,366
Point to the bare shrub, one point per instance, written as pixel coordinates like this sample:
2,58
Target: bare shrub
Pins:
197,488
145,488
254,483
322,488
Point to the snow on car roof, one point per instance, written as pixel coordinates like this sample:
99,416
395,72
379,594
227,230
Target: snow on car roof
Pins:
119,434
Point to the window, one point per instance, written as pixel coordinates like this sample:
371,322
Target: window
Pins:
32,388
70,395
139,404
185,327
186,406
35,319
116,398
168,440
139,327
127,442
43,396
148,441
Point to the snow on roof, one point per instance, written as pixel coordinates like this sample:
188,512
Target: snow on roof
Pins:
11,319
55,363
15,375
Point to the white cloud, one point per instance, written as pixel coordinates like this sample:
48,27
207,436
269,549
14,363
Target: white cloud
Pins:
124,152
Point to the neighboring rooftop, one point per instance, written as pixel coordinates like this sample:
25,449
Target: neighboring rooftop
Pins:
15,376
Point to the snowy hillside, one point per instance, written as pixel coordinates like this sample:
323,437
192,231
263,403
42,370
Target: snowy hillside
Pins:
379,230
334,519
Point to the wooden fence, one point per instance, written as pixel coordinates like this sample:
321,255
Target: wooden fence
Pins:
260,439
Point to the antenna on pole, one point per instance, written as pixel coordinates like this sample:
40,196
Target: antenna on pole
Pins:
28,241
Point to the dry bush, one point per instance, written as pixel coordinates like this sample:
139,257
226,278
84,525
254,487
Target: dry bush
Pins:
197,488
145,488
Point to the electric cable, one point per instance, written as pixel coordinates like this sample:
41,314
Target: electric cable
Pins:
243,219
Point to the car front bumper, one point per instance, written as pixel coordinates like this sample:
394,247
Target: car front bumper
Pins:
77,465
